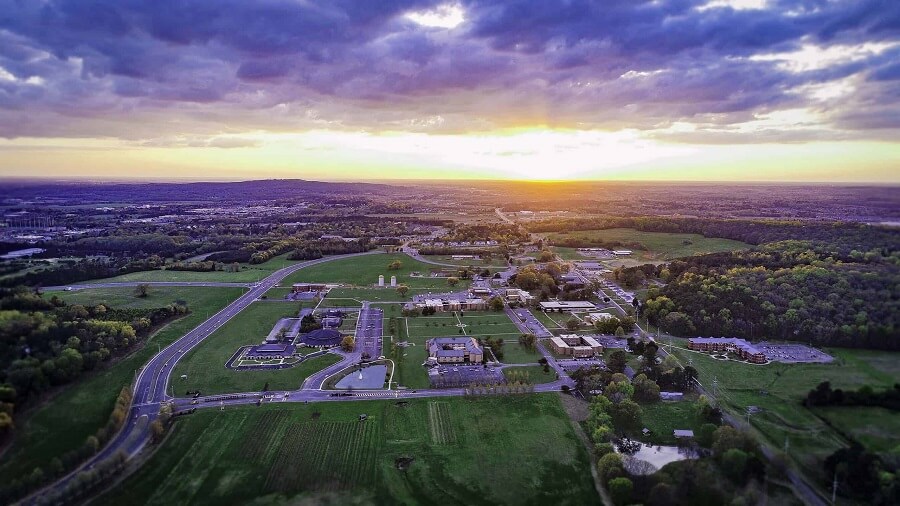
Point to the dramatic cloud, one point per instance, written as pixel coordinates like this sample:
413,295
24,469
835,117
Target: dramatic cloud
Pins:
203,73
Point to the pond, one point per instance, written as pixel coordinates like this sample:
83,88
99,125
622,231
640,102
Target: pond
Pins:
366,378
650,459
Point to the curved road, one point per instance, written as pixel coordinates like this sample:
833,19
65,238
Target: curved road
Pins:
153,380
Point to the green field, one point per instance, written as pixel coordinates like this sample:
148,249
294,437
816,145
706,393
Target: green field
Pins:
157,296
63,424
664,417
778,389
878,429
363,271
657,246
417,330
533,374
515,353
205,364
465,451
497,262
247,274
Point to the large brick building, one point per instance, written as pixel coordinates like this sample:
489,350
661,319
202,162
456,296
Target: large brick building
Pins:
740,347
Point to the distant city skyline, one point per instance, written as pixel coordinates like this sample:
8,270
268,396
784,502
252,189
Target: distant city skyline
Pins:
721,90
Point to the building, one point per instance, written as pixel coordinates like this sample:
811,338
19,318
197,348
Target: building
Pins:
393,281
599,317
454,350
381,280
322,338
269,351
567,306
622,252
481,290
683,433
671,396
519,295
740,347
307,287
332,322
572,345
448,304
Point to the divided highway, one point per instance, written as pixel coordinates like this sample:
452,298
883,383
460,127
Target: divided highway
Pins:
153,379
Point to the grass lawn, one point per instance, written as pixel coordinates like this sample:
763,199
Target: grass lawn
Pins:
664,417
417,330
124,298
205,364
464,451
778,389
553,322
363,271
534,374
515,353
658,246
498,262
63,424
247,274
878,429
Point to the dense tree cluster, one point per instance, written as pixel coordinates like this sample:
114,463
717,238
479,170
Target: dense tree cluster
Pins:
824,395
44,343
864,475
310,250
784,291
841,238
500,232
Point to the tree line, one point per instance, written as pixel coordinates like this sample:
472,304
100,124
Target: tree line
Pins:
787,290
46,343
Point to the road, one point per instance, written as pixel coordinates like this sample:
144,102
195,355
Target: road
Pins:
128,284
503,216
152,383
153,379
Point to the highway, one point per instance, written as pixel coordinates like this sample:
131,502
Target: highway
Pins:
153,379
152,382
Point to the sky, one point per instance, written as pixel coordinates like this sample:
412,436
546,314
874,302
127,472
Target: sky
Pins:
709,90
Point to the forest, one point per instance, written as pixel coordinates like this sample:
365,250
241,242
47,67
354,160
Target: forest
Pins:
46,342
786,290
842,240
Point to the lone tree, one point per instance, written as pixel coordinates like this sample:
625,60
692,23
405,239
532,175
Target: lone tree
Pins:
452,281
347,343
141,290
573,324
396,265
403,290
496,304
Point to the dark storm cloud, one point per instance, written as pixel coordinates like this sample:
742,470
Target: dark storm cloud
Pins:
577,63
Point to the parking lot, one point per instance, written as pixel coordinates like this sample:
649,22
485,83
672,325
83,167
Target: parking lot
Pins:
446,376
793,353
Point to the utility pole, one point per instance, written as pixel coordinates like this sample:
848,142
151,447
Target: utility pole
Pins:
834,489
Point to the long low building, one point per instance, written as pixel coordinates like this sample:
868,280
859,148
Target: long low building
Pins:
269,351
739,346
573,345
449,304
567,305
454,350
